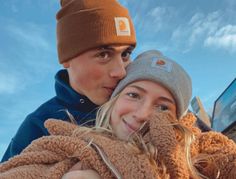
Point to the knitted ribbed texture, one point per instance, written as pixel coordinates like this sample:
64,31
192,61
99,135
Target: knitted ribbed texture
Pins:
86,24
154,66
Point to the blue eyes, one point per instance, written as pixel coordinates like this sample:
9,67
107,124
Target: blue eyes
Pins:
162,107
134,96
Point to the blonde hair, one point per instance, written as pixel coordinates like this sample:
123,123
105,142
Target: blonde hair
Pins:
187,139
104,114
102,124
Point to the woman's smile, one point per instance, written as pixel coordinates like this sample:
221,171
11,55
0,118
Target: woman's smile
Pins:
129,126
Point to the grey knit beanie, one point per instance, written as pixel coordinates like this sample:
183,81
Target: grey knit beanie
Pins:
152,65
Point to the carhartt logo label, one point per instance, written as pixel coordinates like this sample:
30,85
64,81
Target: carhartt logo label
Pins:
122,26
161,64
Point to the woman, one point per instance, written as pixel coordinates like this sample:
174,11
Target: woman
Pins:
153,83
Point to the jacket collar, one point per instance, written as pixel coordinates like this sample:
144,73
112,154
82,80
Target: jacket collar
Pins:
69,96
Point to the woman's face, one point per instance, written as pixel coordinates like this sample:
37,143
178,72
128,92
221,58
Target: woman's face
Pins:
135,105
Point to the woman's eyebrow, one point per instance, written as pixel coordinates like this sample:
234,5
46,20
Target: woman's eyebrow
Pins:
138,87
160,98
166,99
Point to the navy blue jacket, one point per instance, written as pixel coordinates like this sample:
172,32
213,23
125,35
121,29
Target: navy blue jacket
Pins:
82,109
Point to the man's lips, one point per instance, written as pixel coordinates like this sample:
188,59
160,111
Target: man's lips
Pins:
109,89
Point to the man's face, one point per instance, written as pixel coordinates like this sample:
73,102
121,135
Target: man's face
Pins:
95,73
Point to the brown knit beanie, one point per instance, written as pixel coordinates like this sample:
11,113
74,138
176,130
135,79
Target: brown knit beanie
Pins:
86,24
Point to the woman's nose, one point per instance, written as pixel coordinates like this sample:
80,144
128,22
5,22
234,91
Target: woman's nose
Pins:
143,113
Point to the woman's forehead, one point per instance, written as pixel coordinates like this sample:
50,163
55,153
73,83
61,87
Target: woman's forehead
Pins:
151,87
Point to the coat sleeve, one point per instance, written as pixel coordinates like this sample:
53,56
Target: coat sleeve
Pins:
31,129
217,155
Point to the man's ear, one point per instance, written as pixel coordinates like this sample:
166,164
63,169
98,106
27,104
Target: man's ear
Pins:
66,64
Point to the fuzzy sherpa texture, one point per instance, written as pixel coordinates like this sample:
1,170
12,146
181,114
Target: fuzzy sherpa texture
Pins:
52,156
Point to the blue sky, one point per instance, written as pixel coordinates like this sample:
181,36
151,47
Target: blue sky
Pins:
199,35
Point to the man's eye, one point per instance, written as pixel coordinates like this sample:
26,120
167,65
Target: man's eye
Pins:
126,55
162,107
104,55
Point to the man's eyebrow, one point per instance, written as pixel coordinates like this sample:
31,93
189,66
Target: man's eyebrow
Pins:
109,47
105,48
131,47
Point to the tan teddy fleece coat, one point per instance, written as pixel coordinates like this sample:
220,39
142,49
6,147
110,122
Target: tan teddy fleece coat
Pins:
52,156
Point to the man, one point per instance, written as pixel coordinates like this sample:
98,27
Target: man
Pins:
95,39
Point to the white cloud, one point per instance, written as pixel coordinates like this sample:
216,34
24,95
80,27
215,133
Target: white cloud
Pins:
231,4
207,30
9,83
196,18
155,21
199,27
224,37
158,12
29,34
32,41
26,57
148,17
157,18
14,8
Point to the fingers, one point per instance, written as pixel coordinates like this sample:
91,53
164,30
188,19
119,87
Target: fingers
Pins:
82,174
77,166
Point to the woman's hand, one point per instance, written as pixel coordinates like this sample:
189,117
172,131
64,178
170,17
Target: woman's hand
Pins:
82,174
77,172
77,166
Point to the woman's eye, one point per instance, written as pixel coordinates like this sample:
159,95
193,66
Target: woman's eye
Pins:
133,95
162,107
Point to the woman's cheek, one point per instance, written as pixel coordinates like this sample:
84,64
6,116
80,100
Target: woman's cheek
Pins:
118,111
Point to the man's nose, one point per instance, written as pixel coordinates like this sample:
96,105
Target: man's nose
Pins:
118,70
